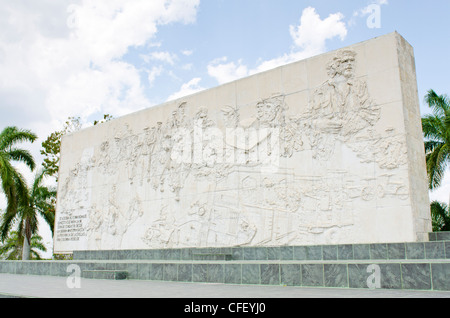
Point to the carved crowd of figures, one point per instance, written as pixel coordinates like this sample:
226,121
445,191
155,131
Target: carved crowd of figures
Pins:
254,161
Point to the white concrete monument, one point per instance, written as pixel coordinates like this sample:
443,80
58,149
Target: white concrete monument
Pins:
327,150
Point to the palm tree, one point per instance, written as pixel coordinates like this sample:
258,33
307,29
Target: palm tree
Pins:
13,183
436,129
12,249
440,216
38,200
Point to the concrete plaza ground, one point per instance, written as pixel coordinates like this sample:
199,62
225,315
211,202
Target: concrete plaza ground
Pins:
57,287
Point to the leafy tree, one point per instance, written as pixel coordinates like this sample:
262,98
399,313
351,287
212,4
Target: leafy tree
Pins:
440,216
12,182
52,145
37,201
63,257
106,118
12,248
436,129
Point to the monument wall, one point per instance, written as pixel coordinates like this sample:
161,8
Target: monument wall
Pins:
327,150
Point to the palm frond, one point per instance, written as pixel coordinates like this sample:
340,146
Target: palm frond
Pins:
23,156
21,187
436,132
432,127
430,146
11,136
440,216
436,165
440,104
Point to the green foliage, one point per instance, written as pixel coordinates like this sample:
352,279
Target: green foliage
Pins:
37,200
106,118
51,147
12,182
12,248
436,129
63,257
440,216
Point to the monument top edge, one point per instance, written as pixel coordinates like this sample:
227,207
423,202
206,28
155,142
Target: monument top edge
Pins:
183,99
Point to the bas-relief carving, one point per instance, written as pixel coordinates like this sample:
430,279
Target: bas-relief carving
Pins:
188,185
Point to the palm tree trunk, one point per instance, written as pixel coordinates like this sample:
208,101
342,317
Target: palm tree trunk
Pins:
26,250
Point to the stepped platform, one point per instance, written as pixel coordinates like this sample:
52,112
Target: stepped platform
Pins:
409,266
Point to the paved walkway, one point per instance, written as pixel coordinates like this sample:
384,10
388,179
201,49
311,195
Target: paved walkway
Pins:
57,287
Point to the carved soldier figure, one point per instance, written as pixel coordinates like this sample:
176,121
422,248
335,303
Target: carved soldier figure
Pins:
341,107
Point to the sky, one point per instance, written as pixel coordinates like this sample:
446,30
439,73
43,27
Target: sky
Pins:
86,58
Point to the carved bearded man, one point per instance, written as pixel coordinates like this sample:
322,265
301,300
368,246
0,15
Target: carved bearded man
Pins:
341,107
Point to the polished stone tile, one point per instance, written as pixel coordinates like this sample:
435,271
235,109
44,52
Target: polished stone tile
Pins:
270,274
215,273
357,275
59,269
329,252
157,272
186,254
441,276
237,253
199,273
255,253
80,255
300,253
184,273
434,250
131,268
172,254
42,268
345,252
378,251
312,275
396,251
144,271
290,274
416,276
415,250
314,252
274,253
251,274
232,273
361,251
432,236
447,250
443,236
336,275
6,268
286,253
390,276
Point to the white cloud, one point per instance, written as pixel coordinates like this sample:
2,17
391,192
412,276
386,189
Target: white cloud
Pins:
121,24
188,88
225,72
153,73
67,56
187,52
366,10
115,88
309,39
312,33
187,67
165,57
